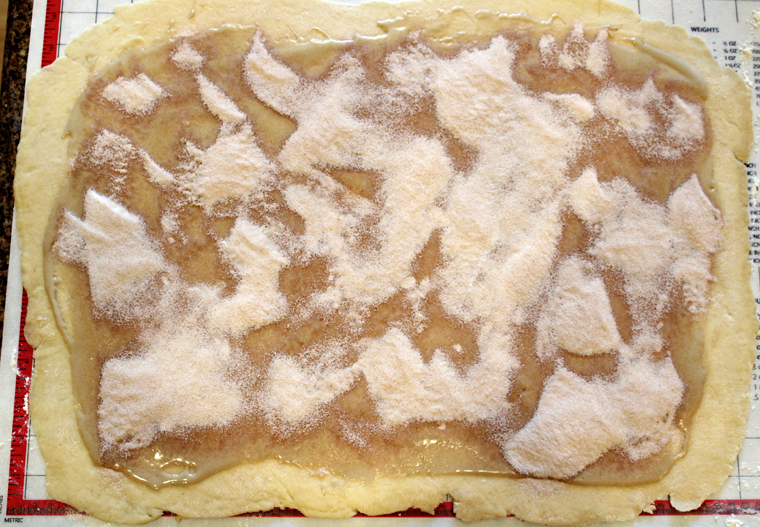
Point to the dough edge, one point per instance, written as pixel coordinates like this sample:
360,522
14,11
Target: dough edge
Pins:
730,324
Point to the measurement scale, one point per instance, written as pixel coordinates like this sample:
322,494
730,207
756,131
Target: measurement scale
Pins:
725,27
51,32
17,505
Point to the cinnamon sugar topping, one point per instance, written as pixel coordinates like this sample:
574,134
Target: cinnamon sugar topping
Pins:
386,250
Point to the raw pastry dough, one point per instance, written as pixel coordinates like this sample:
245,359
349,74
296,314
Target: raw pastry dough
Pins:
694,240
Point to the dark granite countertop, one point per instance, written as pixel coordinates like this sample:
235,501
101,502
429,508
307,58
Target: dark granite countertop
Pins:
12,96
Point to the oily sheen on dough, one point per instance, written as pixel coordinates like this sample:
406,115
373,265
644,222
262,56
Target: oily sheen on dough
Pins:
728,324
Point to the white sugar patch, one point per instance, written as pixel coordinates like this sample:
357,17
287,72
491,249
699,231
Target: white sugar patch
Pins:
179,380
257,300
120,258
295,393
170,223
70,243
576,52
112,150
598,55
135,96
587,198
549,49
413,71
634,227
629,109
500,245
578,316
156,173
638,113
272,82
187,58
698,229
218,103
686,125
233,167
433,391
574,49
415,172
577,421
578,107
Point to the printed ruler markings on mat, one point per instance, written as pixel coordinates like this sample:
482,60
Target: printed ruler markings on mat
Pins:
17,504
52,30
66,18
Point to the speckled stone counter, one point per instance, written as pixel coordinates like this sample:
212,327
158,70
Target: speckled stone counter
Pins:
12,97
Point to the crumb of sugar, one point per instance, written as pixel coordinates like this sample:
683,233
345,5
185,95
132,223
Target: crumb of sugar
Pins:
734,522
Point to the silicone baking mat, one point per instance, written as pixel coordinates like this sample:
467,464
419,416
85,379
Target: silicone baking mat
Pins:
729,27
